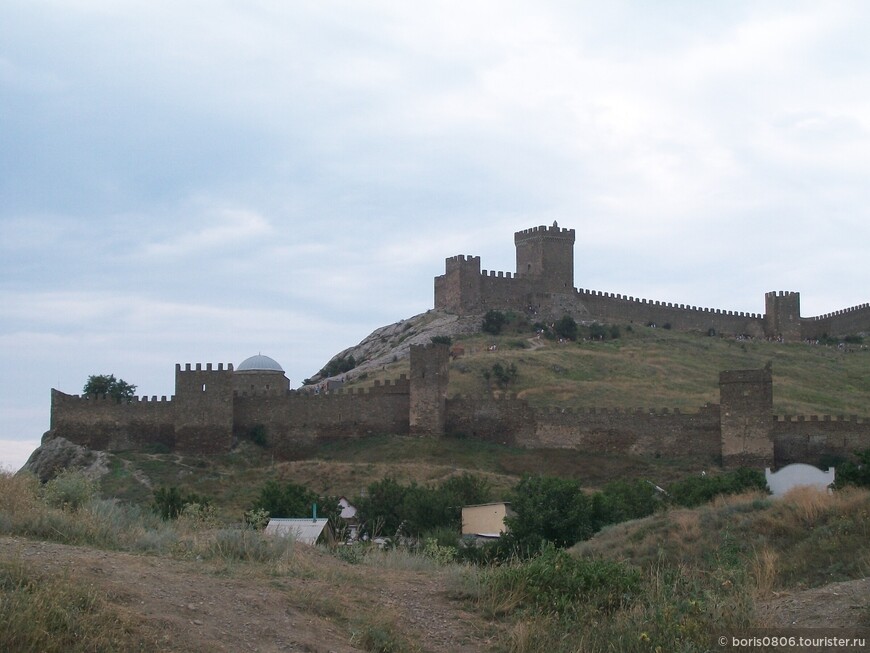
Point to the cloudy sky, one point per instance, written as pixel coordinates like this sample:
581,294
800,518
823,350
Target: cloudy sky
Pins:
200,181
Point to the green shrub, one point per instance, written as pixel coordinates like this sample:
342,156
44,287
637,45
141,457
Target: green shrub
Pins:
555,581
493,322
169,502
441,554
69,490
857,474
441,340
566,328
257,435
696,490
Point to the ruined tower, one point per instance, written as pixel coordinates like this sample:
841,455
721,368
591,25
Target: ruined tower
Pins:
546,255
746,417
428,392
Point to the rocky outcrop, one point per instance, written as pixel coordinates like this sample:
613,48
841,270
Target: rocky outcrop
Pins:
56,454
393,342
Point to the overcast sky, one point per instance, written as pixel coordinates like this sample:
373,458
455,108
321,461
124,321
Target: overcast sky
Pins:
200,181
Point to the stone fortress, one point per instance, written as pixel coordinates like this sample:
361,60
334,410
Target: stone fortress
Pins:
214,406
544,284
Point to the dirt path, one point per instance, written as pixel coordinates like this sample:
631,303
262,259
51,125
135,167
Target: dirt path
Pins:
324,606
838,605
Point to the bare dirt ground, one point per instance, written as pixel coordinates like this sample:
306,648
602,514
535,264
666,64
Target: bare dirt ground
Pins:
319,605
838,605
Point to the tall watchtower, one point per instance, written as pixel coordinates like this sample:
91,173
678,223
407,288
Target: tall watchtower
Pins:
203,406
546,255
428,388
783,315
746,416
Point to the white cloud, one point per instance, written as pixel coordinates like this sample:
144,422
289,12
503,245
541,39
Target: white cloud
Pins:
198,181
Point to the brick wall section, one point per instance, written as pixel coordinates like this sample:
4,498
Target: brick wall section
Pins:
817,439
105,424
849,321
294,420
513,422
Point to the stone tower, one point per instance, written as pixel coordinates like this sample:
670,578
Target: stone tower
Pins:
203,406
746,417
783,315
428,392
546,255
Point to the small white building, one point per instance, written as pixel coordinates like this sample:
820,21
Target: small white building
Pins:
486,519
305,530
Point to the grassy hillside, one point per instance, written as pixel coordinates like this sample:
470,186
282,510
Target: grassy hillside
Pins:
658,368
232,481
110,577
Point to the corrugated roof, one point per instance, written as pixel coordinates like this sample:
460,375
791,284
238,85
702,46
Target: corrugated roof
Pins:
302,530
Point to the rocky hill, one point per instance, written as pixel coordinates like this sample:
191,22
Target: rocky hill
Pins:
391,343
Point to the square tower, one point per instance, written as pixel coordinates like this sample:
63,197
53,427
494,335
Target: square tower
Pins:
546,255
746,417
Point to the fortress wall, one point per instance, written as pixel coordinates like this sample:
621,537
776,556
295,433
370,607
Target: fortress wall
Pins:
502,290
106,424
639,432
501,421
513,422
809,439
292,419
620,309
849,321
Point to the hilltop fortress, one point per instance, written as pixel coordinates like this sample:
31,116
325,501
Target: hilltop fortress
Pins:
543,284
215,406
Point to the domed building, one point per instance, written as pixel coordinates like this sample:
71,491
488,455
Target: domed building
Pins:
260,374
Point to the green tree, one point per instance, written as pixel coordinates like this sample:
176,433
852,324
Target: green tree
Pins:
108,385
493,322
169,502
620,501
549,509
504,375
566,328
858,474
287,500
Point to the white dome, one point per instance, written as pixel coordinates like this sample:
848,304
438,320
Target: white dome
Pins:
259,363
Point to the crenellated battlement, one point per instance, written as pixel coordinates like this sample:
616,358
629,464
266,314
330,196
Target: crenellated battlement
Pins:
542,231
493,273
845,311
95,399
209,367
799,419
781,293
585,294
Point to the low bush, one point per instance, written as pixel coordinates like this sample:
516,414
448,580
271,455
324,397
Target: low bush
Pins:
69,490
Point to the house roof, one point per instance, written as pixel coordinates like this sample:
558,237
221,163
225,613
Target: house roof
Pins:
304,530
